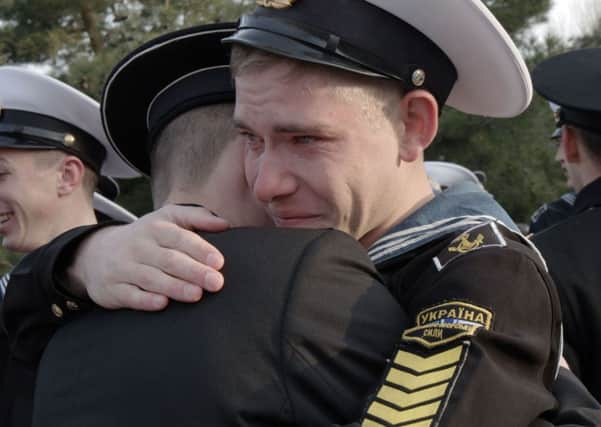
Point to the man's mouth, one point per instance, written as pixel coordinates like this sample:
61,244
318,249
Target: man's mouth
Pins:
294,220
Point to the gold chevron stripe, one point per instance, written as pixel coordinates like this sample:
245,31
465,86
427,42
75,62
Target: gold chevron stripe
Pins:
421,364
411,382
372,423
393,416
401,399
426,423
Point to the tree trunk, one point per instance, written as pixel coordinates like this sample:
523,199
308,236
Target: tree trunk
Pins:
89,22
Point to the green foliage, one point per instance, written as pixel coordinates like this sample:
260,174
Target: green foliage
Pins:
518,15
516,154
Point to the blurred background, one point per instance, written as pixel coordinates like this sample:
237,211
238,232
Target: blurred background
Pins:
79,41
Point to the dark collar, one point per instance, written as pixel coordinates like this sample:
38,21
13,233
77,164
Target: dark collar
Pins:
588,197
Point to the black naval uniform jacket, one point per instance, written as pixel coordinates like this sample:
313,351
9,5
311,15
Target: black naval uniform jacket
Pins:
483,344
571,250
472,353
551,213
28,320
297,336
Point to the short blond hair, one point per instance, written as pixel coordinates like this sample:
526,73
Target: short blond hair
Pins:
187,150
376,95
49,158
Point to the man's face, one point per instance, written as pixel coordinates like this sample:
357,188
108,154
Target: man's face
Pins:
316,155
570,169
27,199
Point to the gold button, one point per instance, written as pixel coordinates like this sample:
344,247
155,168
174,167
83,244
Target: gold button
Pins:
418,78
69,140
72,305
56,310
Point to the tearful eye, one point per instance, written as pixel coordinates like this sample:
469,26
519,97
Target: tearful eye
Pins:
251,140
304,139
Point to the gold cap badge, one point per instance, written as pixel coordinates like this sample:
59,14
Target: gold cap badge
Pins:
276,4
69,140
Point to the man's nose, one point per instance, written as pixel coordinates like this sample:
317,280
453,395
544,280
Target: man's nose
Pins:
274,178
558,155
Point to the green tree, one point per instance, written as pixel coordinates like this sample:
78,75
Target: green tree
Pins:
515,154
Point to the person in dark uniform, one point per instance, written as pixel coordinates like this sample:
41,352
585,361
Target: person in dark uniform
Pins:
52,154
478,349
297,337
572,81
553,212
327,111
36,137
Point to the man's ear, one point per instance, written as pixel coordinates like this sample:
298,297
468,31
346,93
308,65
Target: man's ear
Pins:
419,110
70,175
571,144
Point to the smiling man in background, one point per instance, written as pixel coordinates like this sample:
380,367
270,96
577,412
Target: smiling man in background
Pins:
52,152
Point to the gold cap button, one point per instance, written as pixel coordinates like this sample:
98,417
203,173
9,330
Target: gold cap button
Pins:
69,140
418,78
72,305
57,311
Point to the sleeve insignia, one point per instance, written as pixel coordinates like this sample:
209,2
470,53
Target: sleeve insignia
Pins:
536,215
448,322
415,389
479,237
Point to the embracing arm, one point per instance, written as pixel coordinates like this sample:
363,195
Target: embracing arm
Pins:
138,266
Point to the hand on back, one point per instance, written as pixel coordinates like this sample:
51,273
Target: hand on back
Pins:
156,258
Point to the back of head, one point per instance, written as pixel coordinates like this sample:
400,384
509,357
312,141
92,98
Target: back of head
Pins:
175,124
202,134
572,83
137,106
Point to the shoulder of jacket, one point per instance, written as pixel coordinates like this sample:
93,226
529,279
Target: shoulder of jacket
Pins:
482,236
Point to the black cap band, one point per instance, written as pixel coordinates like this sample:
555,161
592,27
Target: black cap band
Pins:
325,32
208,86
27,130
587,120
